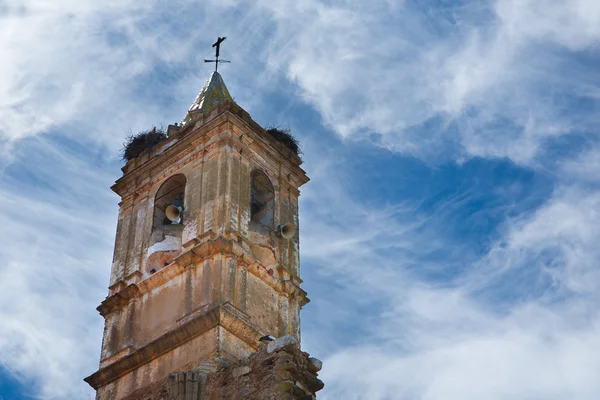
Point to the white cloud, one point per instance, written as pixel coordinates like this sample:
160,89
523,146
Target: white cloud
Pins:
431,342
570,23
370,67
517,323
57,61
485,78
558,242
488,77
78,67
584,167
54,259
508,363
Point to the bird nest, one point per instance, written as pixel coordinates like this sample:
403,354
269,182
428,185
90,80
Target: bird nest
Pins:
136,144
285,136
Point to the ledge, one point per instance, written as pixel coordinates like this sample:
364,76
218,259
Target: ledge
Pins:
116,357
286,284
224,315
118,299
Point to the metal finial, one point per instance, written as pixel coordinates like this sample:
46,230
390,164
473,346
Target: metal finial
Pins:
217,44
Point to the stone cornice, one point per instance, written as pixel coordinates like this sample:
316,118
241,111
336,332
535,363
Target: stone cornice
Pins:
252,134
139,168
137,171
223,315
287,284
117,300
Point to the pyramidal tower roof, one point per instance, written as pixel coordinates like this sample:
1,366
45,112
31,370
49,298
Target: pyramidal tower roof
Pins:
212,94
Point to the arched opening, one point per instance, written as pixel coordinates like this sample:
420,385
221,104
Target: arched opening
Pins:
262,199
167,226
169,194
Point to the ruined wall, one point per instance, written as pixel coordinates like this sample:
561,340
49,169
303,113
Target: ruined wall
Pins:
278,371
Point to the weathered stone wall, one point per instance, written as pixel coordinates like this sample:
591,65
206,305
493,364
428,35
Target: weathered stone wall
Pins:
278,371
183,357
224,283
217,161
217,200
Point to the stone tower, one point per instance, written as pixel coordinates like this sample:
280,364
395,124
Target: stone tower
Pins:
202,269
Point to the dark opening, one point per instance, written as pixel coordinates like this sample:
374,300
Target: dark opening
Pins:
262,199
171,193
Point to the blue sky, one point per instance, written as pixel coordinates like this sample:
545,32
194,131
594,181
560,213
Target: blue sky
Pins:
449,232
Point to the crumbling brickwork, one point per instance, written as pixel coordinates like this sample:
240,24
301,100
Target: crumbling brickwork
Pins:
278,371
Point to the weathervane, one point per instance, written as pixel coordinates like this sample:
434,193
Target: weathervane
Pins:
217,44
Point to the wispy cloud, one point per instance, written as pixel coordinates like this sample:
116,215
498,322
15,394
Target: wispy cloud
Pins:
472,281
489,77
56,241
513,323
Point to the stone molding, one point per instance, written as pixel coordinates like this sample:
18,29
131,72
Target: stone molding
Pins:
227,121
223,315
287,284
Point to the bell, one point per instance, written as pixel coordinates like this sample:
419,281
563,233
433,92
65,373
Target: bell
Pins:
173,213
287,231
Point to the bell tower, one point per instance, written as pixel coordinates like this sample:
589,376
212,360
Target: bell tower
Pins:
206,258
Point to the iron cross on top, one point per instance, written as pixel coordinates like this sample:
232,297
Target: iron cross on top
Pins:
217,44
